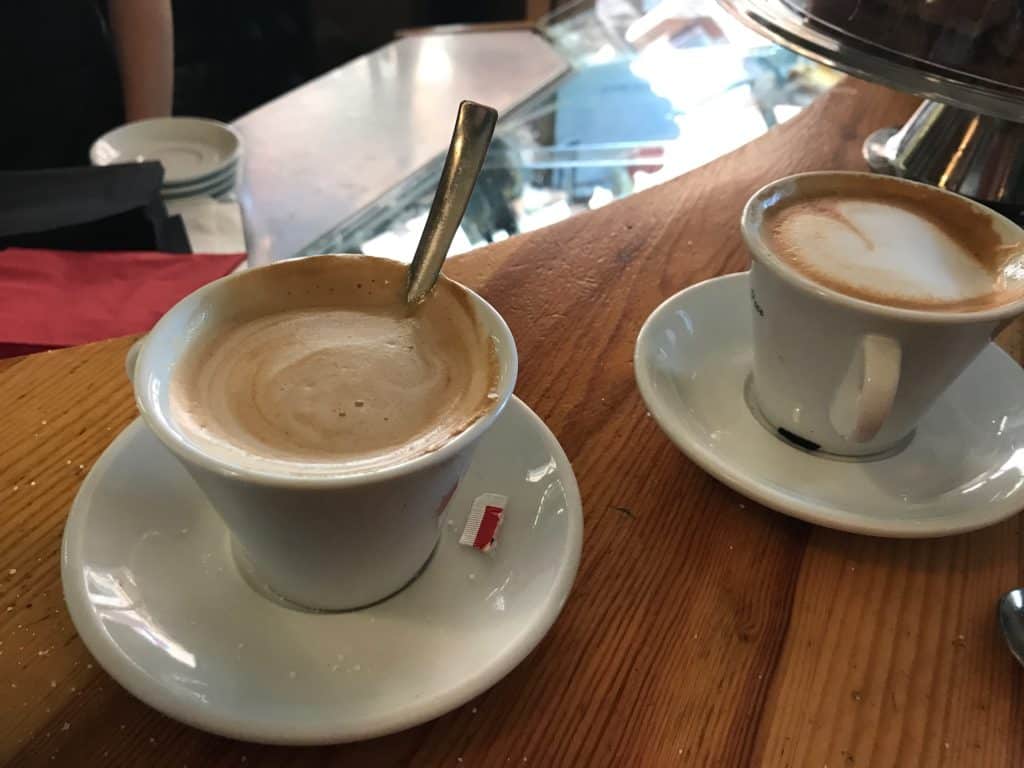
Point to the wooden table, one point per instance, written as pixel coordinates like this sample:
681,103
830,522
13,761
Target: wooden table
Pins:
702,629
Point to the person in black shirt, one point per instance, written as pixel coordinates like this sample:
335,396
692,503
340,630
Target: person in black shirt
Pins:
70,70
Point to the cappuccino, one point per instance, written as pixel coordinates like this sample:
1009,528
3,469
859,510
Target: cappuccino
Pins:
897,244
327,371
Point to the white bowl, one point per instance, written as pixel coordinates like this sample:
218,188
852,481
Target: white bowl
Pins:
227,172
216,186
191,149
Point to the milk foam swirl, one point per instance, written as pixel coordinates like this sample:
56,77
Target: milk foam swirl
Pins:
897,244
337,374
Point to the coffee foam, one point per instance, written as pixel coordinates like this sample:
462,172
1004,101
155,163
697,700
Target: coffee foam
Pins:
897,244
323,369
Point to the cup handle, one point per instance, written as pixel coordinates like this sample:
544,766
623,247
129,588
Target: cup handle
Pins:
131,357
865,397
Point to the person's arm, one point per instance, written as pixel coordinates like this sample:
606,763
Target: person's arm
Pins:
143,33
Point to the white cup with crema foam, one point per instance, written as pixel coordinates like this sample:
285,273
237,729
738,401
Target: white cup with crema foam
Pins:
326,423
869,296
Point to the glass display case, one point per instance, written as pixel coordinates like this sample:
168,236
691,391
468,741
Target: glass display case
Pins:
655,90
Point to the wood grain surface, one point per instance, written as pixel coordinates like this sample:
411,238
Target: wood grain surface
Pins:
703,629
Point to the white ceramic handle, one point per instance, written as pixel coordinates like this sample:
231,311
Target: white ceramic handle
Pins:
131,357
864,398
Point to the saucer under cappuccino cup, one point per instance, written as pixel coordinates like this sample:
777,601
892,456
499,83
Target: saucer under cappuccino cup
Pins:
869,296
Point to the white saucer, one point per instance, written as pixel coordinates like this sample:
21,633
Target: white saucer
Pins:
963,470
154,592
191,149
219,185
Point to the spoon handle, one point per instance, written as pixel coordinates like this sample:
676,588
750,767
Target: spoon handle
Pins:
474,127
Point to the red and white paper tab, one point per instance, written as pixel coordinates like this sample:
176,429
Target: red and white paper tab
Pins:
481,529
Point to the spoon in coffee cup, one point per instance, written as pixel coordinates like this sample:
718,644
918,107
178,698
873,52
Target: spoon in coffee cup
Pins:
474,126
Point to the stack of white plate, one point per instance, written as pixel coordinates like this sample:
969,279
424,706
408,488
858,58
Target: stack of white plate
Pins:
199,156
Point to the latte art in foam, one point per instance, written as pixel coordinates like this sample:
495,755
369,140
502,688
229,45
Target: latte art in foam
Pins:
897,245
339,374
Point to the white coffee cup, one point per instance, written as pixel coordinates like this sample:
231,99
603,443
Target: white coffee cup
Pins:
844,375
322,542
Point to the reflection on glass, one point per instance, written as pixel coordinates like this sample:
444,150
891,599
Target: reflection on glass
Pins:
660,89
434,64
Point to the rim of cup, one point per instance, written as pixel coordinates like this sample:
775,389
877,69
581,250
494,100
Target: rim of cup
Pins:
773,192
159,421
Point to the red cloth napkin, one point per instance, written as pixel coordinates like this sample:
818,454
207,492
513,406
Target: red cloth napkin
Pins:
54,299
